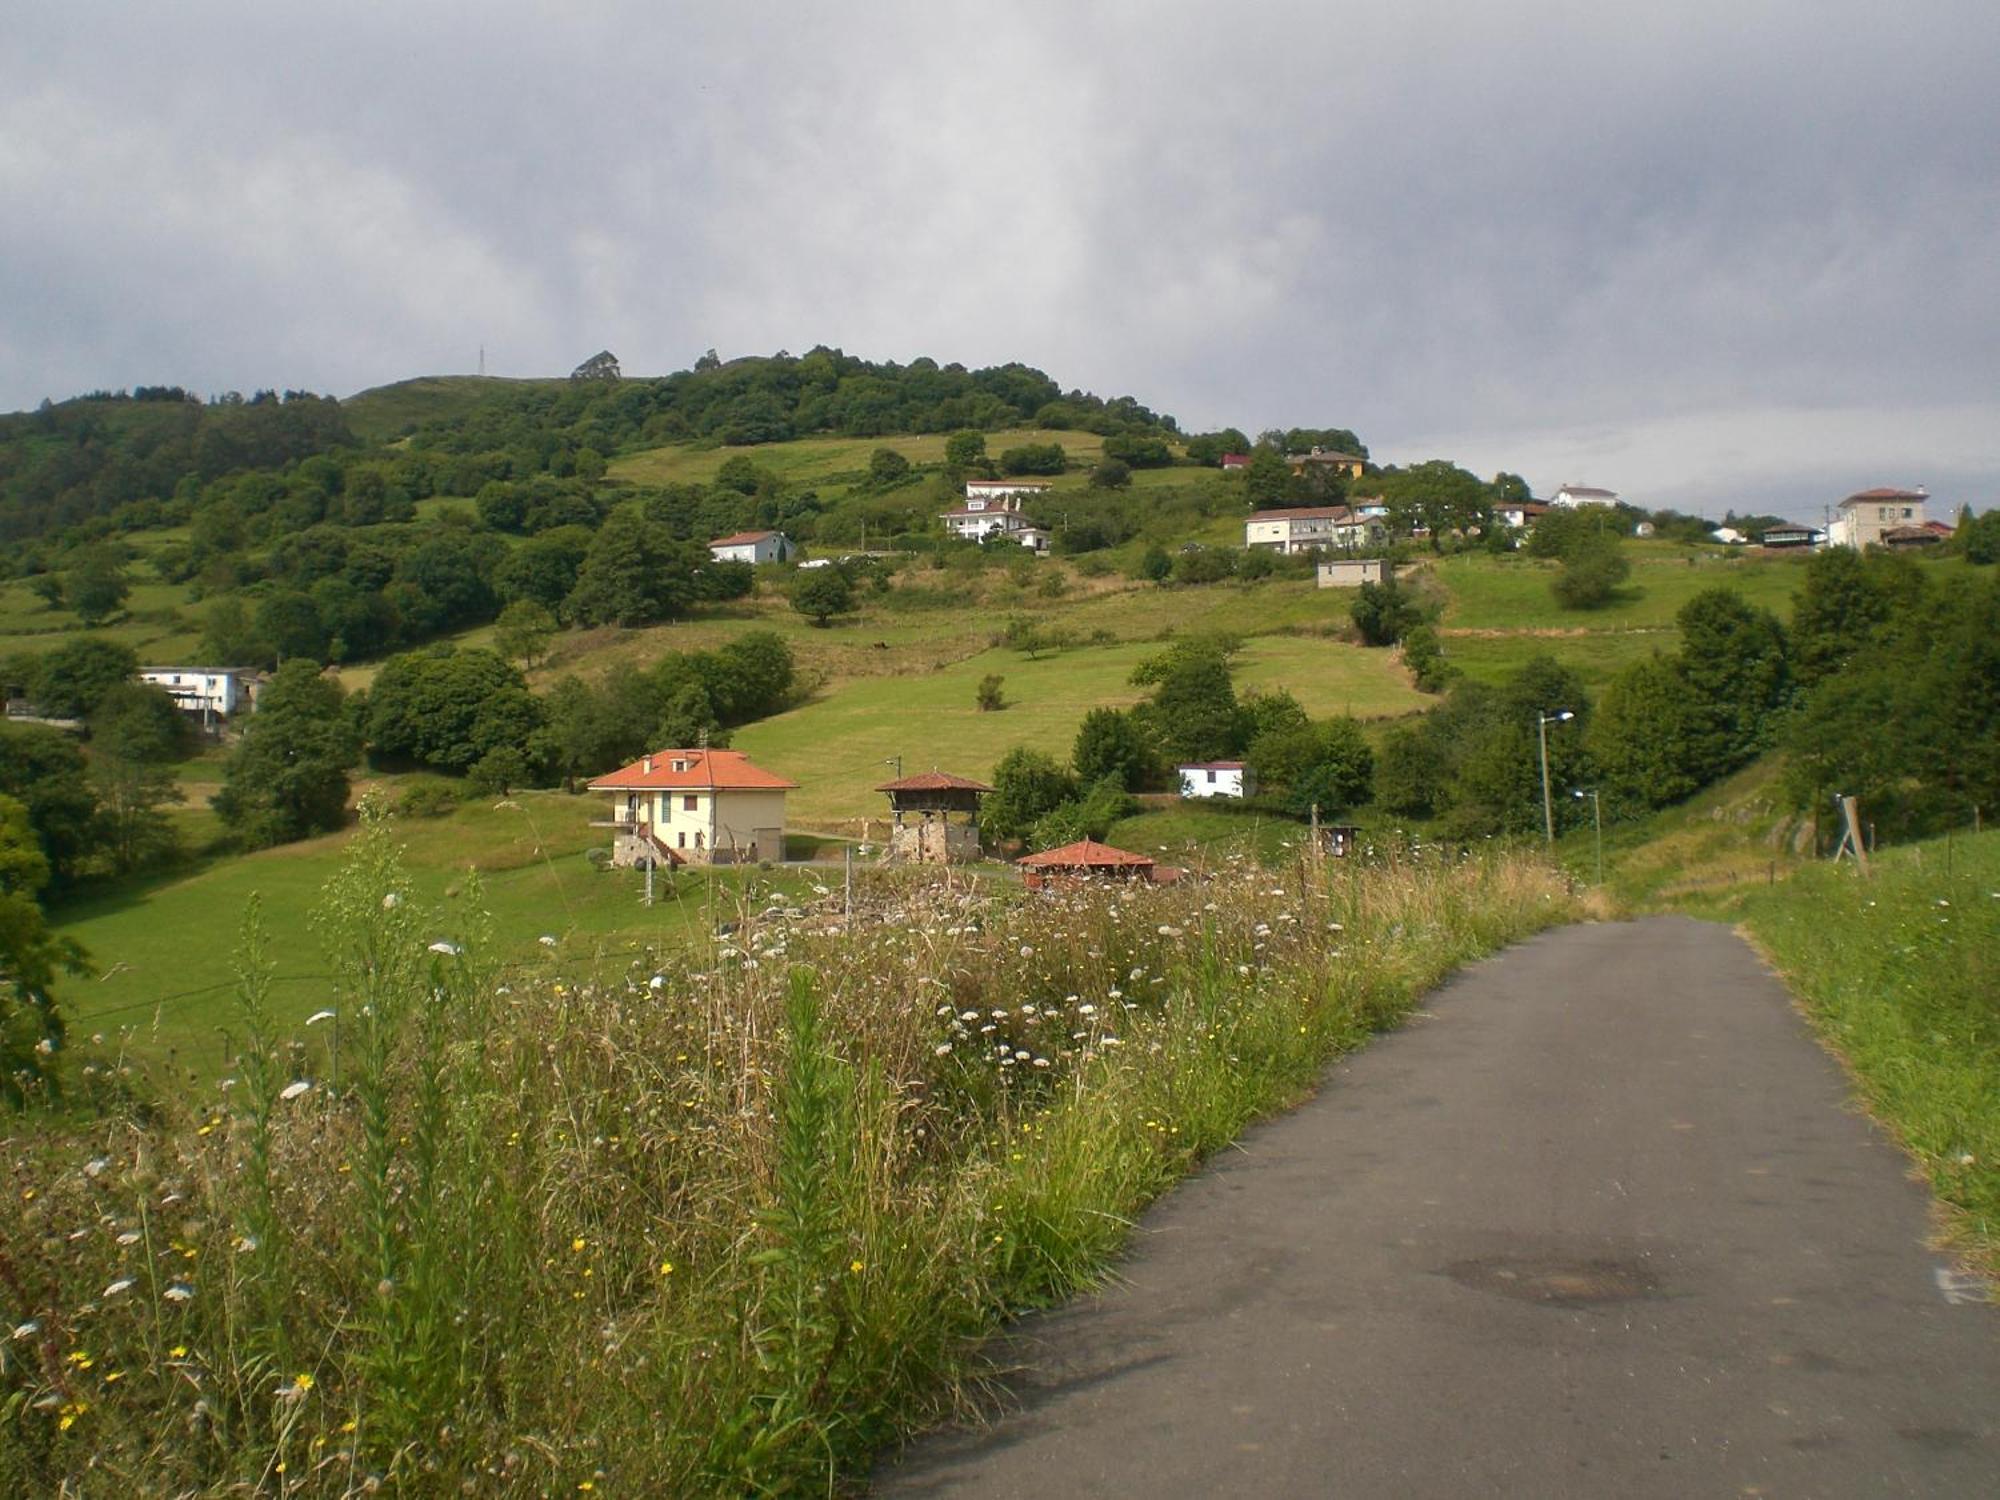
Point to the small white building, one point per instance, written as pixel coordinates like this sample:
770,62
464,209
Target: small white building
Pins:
206,692
1864,518
752,547
1352,572
1300,528
990,490
1217,778
1572,495
1515,514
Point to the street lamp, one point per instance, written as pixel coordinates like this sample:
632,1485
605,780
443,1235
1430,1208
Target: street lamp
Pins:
1542,723
1597,825
897,762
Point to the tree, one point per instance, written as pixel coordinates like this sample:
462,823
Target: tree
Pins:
635,573
1979,538
31,1028
887,468
1341,776
42,769
1027,785
288,623
1111,474
1733,659
1384,612
544,567
1111,745
990,696
1590,575
447,708
135,736
964,450
1644,741
74,678
1192,713
287,778
97,587
1034,458
523,632
755,677
1411,779
1841,609
1154,564
1423,654
822,594
1268,479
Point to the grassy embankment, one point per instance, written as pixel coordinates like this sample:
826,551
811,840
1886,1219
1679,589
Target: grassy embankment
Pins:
736,1226
1900,974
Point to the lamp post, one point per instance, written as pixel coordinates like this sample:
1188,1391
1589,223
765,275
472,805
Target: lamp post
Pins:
1596,824
1542,723
897,762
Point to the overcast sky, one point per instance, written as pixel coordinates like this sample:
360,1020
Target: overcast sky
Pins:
1710,253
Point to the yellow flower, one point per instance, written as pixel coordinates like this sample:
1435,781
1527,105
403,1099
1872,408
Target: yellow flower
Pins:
80,1359
112,1377
666,1268
302,1382
855,1267
349,1425
179,1351
70,1413
578,1243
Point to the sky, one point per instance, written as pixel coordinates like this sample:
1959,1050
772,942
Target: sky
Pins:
1710,255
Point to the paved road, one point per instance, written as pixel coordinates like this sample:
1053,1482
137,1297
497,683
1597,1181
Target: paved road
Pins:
1599,1222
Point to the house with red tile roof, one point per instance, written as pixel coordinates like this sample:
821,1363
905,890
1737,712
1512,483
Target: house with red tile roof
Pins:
1300,528
1086,857
699,806
1865,518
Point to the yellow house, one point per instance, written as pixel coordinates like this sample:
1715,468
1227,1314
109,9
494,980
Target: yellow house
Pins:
699,807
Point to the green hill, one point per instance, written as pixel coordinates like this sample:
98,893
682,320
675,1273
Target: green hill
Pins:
384,413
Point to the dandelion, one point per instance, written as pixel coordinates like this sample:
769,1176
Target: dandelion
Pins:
292,1090
296,1389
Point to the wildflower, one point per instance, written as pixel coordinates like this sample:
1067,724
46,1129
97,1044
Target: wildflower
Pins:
449,950
547,940
666,1268
349,1425
81,1359
391,901
1086,1010
179,1351
941,1048
292,1090
70,1412
129,1237
178,1291
95,1166
122,1285
245,1243
855,1267
1027,950
300,1384
579,1244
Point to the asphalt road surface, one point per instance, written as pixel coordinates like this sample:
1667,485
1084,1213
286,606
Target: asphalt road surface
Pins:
1600,1221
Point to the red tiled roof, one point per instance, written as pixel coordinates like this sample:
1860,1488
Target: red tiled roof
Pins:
1886,493
1084,854
719,770
742,538
934,781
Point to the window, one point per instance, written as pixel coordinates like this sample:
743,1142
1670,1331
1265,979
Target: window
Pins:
1211,778
687,804
684,839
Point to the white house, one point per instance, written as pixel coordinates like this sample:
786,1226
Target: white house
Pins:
1572,495
1863,518
703,806
1515,514
989,490
752,547
1302,527
1217,778
209,692
981,517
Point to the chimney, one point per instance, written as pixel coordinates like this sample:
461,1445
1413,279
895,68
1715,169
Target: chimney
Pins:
647,763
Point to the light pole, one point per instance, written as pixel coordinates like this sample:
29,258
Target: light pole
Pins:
897,762
1542,723
1596,824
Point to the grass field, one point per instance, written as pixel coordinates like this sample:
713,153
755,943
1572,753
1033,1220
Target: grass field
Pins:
166,947
161,621
837,746
388,411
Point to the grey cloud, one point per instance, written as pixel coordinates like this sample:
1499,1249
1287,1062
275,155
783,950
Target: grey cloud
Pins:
1548,230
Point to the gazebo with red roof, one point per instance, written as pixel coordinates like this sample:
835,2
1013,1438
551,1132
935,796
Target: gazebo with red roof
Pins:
934,796
1085,857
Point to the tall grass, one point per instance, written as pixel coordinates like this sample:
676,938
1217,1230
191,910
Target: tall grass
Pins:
1901,973
721,1222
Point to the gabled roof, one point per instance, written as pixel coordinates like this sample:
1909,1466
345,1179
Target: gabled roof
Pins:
706,770
1884,492
1304,513
1008,484
1320,456
934,781
742,538
1212,765
1084,854
1585,489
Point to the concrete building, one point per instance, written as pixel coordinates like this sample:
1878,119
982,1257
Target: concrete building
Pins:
700,806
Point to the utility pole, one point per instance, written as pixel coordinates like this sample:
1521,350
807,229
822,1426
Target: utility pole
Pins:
1597,827
1542,722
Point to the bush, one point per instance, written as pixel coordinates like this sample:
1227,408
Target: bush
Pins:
1423,654
990,697
428,796
1590,577
1384,612
1034,458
